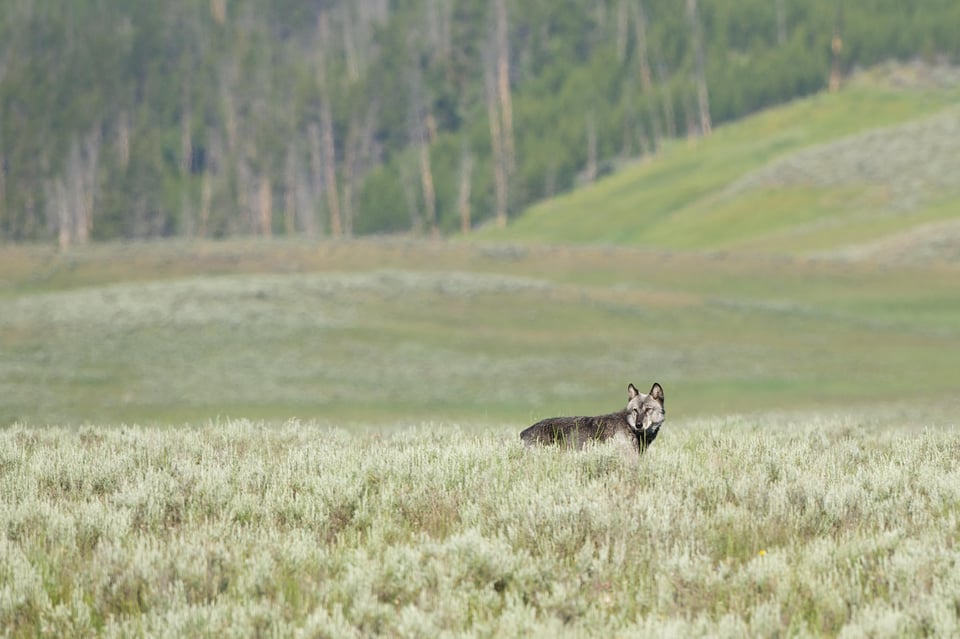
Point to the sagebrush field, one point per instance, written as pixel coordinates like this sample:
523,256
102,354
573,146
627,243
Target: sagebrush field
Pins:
727,527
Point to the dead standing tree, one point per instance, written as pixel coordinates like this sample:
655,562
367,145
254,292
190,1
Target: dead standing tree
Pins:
703,97
836,48
328,155
422,130
466,176
646,77
71,197
500,110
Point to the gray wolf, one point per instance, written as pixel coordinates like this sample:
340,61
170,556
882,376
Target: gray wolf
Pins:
639,423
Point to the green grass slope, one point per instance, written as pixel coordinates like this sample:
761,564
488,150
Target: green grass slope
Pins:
823,174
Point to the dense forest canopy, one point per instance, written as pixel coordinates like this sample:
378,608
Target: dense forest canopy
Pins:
336,117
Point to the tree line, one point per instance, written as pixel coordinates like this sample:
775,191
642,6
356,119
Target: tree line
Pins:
211,118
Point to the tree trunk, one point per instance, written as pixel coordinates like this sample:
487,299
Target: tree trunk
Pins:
328,144
590,173
703,98
496,146
350,46
836,48
349,175
669,112
123,140
57,209
463,199
429,194
330,170
218,10
646,77
4,221
206,196
316,174
245,187
290,171
506,102
265,206
408,182
186,136
186,162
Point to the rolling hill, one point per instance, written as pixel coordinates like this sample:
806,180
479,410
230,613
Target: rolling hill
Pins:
866,172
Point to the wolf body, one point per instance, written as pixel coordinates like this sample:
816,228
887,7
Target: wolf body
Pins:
639,424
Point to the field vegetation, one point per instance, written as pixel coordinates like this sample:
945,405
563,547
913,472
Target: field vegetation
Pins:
725,528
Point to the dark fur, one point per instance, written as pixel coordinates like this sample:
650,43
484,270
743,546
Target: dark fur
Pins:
576,432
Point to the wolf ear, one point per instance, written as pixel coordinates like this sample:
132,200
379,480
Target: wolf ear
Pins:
656,392
632,391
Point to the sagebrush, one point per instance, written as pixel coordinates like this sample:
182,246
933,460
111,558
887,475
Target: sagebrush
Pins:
729,527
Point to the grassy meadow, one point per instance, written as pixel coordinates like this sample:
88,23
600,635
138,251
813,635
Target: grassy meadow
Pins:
728,527
379,332
294,438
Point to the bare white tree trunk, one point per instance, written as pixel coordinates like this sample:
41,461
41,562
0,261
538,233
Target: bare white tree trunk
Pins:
58,212
245,188
316,170
429,194
643,59
206,197
466,180
497,148
836,48
330,171
218,10
328,144
265,206
669,111
408,181
290,172
186,134
703,98
590,173
503,92
72,197
349,175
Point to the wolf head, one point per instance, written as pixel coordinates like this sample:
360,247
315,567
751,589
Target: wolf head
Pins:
645,412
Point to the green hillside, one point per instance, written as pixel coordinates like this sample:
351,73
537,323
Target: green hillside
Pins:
824,173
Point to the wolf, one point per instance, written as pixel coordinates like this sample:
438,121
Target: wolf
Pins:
639,423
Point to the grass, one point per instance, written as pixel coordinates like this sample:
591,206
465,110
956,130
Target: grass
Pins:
726,527
459,332
819,174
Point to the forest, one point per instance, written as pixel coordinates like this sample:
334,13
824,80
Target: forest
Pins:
338,118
